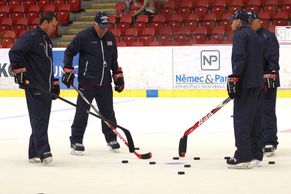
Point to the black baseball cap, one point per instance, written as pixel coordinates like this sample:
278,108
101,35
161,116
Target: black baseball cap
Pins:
253,15
102,19
240,14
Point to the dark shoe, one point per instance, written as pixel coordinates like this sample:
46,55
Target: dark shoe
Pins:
46,158
114,145
234,164
77,149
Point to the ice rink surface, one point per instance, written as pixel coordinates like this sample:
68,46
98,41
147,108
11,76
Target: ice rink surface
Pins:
156,125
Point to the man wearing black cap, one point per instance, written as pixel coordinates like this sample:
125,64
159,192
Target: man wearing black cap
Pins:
244,85
271,80
98,55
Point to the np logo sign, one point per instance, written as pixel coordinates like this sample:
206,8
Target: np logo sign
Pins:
210,60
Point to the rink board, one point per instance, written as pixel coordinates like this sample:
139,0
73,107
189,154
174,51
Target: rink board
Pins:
190,71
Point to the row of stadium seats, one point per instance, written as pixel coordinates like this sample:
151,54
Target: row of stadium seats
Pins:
17,12
175,22
218,7
21,16
75,5
183,36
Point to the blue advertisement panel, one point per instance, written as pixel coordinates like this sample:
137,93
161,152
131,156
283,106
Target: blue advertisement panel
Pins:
58,56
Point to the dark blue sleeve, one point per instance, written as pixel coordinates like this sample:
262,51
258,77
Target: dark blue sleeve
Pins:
73,48
239,52
19,49
271,53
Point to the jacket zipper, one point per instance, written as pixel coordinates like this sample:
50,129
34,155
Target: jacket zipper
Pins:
46,52
86,68
104,63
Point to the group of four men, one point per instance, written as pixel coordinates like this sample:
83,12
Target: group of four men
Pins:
253,55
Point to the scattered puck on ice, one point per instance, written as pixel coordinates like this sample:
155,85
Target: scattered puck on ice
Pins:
231,115
226,157
175,158
187,165
181,172
271,162
124,161
196,158
152,162
136,148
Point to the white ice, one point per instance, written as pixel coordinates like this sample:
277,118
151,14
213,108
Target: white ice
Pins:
156,125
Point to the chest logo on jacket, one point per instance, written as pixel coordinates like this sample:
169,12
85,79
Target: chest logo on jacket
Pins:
109,43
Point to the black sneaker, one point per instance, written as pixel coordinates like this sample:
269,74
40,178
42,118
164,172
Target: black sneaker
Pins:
234,164
77,149
46,158
269,150
114,145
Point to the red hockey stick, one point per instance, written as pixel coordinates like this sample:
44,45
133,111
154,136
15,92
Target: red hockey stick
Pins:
183,140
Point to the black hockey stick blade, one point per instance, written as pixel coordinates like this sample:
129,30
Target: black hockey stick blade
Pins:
183,146
143,156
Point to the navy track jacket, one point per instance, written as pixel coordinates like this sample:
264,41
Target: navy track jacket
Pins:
247,58
34,51
97,56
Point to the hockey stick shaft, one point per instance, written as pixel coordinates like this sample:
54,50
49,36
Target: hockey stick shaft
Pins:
110,124
130,143
183,140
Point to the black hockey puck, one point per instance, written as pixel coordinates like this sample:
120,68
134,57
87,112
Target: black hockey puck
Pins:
181,172
175,158
152,162
136,148
196,158
271,162
124,161
187,165
226,157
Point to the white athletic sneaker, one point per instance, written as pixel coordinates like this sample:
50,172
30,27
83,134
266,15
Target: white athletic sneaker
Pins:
269,150
77,149
234,164
34,160
256,163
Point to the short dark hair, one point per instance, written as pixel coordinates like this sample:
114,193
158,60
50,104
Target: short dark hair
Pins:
47,16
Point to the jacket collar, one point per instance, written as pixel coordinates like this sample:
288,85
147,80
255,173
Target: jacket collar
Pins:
39,30
96,34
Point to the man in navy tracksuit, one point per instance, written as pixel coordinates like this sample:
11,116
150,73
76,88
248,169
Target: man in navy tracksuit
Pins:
271,77
31,60
245,86
98,57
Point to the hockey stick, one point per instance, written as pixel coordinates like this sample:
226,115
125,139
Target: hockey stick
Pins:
183,140
131,146
110,125
107,122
